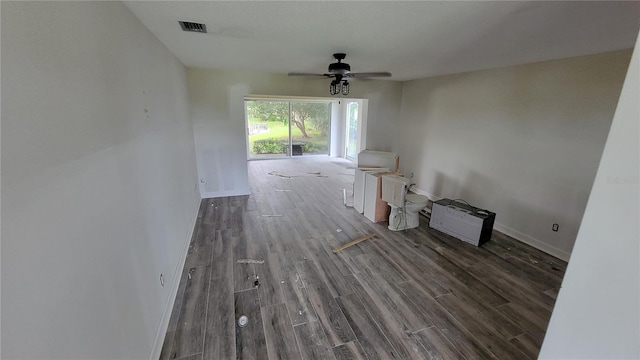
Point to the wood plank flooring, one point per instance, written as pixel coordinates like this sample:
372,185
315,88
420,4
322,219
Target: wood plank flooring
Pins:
416,294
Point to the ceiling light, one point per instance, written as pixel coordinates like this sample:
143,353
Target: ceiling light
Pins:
335,87
338,86
345,88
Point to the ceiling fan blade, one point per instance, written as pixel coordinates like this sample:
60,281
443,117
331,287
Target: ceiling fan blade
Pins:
307,74
368,75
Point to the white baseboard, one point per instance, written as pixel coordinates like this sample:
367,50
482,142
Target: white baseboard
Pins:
173,290
542,246
217,194
529,240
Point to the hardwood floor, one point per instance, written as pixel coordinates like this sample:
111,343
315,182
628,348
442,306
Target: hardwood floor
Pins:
417,294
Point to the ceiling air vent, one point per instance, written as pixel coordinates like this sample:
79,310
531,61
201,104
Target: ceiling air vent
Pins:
193,27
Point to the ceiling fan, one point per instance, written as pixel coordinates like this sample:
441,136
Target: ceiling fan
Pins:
340,72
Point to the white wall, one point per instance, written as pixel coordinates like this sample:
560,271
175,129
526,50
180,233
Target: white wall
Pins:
337,132
98,181
597,314
217,110
522,141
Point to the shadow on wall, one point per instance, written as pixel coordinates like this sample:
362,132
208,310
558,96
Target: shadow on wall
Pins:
483,192
511,12
477,189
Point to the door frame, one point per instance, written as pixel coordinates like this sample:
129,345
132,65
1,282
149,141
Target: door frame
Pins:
361,129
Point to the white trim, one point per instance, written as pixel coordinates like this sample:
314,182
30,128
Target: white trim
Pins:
217,194
551,250
246,130
363,114
336,145
529,240
288,98
173,290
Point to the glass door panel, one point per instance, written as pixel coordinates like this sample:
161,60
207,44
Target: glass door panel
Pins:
352,130
267,129
277,129
310,125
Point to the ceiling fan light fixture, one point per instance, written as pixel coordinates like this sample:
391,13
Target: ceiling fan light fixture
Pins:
335,87
345,88
340,72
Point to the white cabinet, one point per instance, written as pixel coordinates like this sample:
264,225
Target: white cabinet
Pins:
359,186
375,209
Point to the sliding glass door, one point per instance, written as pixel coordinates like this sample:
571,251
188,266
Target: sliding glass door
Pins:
284,128
351,138
310,124
267,128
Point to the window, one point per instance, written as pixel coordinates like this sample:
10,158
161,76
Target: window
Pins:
282,128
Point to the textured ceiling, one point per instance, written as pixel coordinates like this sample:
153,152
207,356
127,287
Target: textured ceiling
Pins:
410,39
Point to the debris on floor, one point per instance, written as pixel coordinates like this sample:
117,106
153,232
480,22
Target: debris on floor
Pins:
256,283
243,321
250,261
354,242
338,230
289,176
275,173
344,198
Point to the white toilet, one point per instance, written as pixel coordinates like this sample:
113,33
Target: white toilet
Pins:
404,207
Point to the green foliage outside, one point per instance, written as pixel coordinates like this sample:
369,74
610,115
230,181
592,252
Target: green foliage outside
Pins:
276,130
310,125
352,121
268,146
315,147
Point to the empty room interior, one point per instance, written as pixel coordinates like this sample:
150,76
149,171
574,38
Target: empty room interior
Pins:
320,180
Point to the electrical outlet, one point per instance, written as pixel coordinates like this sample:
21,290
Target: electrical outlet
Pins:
555,227
411,175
